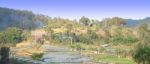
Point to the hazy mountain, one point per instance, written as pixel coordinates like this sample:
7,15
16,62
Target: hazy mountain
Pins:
21,19
132,23
136,23
145,20
28,20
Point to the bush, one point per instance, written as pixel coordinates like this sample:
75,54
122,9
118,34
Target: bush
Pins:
77,46
142,54
124,40
37,56
11,35
84,39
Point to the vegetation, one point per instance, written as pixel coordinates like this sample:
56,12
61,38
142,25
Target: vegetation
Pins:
15,61
37,56
77,46
142,50
141,54
84,21
21,19
11,36
107,58
110,35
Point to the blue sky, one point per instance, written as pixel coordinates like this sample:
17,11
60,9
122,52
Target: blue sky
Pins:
74,9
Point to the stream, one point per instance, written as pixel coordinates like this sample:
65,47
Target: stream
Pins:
58,55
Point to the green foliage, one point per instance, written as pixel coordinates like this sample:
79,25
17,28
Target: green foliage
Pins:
108,22
60,22
141,54
124,40
26,35
37,56
130,39
109,58
77,46
11,35
76,32
144,33
84,39
107,37
85,21
92,34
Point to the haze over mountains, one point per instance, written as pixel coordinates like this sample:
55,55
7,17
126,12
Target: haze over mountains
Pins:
28,20
135,23
21,19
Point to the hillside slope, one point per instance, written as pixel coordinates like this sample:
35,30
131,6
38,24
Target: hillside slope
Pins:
20,18
28,20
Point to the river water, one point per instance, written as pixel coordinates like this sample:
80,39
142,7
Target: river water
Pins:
58,55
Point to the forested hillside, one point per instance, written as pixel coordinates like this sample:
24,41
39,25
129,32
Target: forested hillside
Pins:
20,18
134,23
28,20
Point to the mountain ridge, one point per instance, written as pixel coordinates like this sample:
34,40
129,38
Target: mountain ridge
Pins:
28,20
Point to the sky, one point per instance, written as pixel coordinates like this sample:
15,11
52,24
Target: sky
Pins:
74,9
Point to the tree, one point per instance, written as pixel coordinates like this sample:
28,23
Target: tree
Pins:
85,21
108,22
118,21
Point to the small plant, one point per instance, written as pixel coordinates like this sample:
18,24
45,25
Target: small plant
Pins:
72,46
37,56
77,46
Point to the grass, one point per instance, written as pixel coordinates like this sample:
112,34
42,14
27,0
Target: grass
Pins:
15,61
37,56
112,59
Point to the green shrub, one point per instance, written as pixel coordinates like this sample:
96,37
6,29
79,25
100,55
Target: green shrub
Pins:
11,35
77,46
124,40
142,54
37,56
84,39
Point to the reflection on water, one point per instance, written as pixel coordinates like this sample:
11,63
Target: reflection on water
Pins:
62,56
58,55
